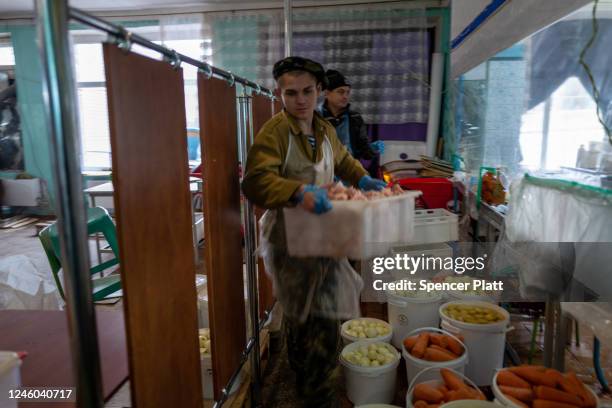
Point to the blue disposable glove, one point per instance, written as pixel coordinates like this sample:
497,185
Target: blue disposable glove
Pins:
378,146
322,204
368,183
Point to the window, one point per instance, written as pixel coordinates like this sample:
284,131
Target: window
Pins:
11,145
93,108
560,125
7,57
531,106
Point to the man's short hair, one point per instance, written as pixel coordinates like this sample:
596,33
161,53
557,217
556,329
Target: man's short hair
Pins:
293,64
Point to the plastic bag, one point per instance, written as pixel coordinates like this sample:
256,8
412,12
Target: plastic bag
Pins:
323,287
556,210
24,287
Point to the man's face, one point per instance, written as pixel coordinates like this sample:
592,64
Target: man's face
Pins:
339,97
299,91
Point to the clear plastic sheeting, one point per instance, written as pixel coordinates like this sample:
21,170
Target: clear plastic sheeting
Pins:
512,22
24,287
544,209
597,316
531,105
543,269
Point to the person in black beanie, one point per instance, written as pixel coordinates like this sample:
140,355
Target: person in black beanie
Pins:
349,124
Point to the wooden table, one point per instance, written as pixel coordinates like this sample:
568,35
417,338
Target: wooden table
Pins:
44,335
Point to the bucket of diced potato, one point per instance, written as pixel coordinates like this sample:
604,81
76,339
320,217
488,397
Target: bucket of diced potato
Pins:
366,329
447,386
431,347
483,326
522,386
370,370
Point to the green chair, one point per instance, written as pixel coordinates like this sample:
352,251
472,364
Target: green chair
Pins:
98,221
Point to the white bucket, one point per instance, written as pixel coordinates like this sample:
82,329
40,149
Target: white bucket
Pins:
407,314
9,377
501,399
369,385
434,382
348,339
487,340
207,377
415,365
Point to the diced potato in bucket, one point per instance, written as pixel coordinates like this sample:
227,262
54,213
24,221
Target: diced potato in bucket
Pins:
472,314
371,355
367,329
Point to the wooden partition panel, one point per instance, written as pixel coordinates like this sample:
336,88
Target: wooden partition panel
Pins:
277,105
262,111
153,209
223,247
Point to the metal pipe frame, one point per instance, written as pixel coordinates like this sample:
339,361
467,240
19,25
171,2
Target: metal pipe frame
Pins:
288,11
61,110
243,358
246,120
173,56
61,107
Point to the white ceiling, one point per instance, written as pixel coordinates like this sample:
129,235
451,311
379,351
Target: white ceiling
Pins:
25,8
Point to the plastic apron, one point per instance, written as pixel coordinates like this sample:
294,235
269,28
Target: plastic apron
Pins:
323,287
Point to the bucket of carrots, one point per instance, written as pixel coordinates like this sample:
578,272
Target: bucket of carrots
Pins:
531,386
448,385
433,347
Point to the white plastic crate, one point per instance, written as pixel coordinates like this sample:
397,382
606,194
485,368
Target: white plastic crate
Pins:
353,229
436,225
436,250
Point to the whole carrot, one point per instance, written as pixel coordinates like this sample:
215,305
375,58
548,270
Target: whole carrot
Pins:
548,393
522,394
438,339
505,377
552,404
454,345
420,404
452,380
442,388
583,393
421,344
534,374
554,374
433,354
569,386
460,394
442,349
427,393
409,342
